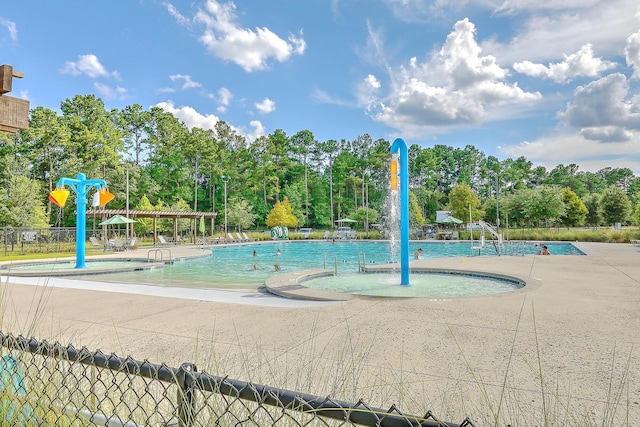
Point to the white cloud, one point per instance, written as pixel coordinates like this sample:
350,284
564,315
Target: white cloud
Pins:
188,83
250,49
224,98
573,148
512,7
603,112
555,28
420,10
181,19
257,131
632,53
323,97
456,86
108,92
89,65
581,63
11,27
265,106
189,116
372,81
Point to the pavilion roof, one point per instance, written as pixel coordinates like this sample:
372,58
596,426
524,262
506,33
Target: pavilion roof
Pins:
132,213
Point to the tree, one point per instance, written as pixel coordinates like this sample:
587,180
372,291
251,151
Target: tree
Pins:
241,213
460,197
544,205
331,149
20,205
167,164
95,140
44,145
636,213
282,214
302,143
144,225
134,122
567,176
415,213
182,206
575,211
593,217
361,215
614,205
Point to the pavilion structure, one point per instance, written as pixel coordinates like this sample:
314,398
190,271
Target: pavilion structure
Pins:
104,214
14,112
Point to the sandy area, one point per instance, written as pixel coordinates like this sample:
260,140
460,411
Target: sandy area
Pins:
569,340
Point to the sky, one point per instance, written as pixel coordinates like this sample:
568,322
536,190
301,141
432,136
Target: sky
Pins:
554,81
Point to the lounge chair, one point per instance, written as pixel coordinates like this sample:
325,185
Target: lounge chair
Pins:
240,238
163,240
326,235
455,235
95,242
352,235
247,238
132,243
336,235
635,242
231,238
118,245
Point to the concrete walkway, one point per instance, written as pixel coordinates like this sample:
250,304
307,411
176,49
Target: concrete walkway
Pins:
566,346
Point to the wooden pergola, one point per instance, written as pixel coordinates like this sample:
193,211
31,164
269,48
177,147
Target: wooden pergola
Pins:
105,214
14,112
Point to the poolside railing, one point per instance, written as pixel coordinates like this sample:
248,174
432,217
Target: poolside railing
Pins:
53,384
335,263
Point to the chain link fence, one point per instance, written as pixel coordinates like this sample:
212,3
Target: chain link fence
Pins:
38,240
49,384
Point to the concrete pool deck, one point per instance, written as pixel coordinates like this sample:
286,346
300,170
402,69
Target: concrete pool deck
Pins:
576,326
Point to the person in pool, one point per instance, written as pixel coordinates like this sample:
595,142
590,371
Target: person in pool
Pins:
417,254
545,250
278,252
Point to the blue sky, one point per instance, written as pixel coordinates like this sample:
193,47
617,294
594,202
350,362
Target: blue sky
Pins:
556,82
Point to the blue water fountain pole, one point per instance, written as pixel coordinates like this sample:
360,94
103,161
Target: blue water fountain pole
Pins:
399,146
81,185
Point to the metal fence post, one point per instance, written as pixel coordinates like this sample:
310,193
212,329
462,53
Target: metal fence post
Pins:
186,396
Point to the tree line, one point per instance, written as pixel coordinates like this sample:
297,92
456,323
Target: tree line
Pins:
173,167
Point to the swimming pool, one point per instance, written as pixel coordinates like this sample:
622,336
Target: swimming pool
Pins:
232,267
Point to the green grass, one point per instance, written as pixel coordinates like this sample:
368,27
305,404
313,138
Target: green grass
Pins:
577,234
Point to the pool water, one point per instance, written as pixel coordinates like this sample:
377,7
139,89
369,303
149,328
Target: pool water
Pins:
434,285
232,267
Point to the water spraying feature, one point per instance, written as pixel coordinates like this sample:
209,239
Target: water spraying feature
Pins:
81,186
400,171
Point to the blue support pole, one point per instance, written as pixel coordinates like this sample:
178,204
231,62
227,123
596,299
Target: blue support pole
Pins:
81,185
399,146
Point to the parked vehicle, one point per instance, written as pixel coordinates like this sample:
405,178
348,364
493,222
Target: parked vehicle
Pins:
306,232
